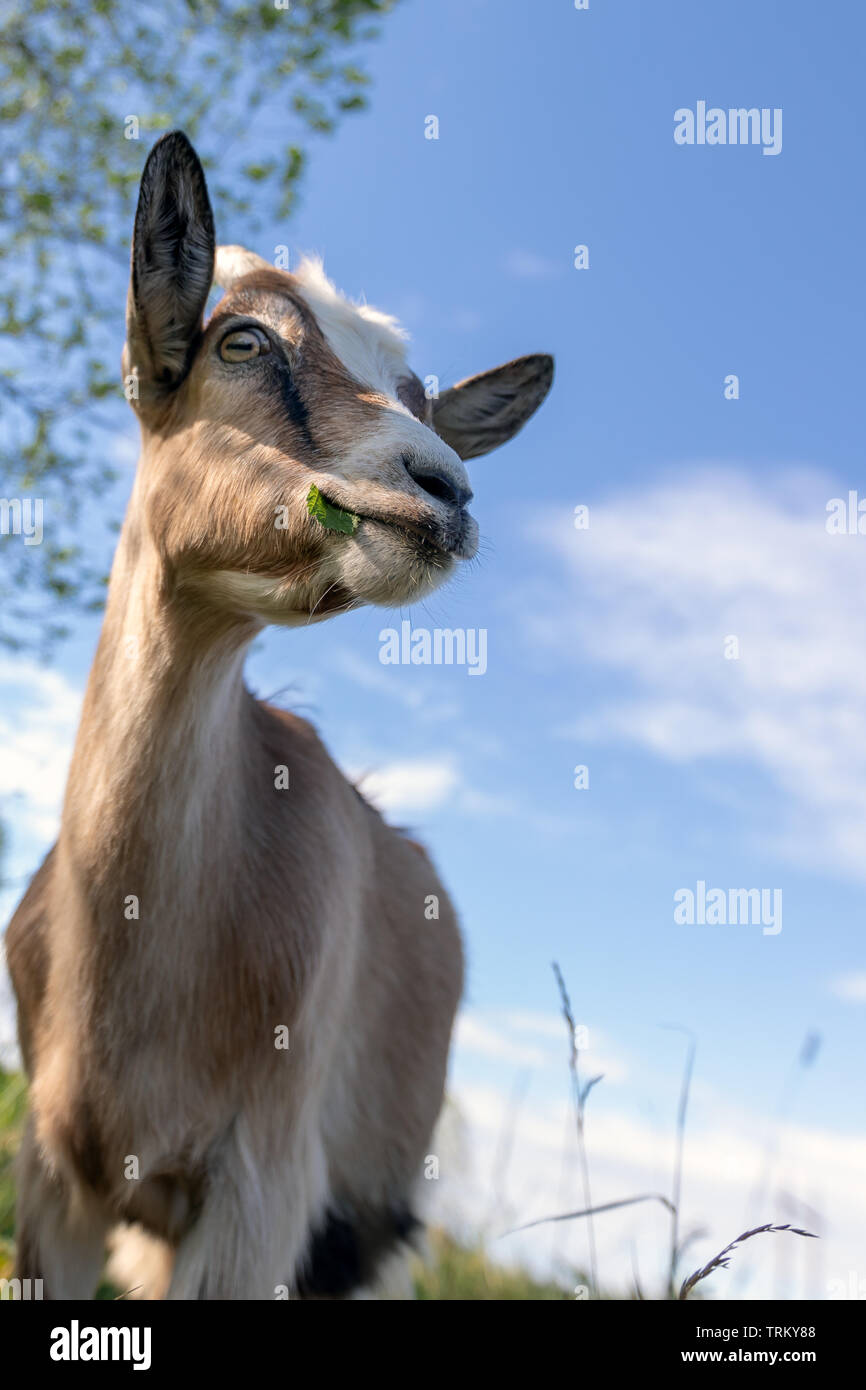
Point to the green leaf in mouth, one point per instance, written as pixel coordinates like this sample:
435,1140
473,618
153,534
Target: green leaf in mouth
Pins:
334,518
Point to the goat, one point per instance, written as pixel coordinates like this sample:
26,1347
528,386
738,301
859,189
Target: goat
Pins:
233,1011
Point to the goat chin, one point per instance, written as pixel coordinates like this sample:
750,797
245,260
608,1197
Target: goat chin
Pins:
139,1264
377,567
388,568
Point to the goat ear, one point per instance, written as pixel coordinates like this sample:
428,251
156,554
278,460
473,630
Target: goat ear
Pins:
172,266
484,411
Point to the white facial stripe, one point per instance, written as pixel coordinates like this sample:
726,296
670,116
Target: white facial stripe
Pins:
233,262
371,345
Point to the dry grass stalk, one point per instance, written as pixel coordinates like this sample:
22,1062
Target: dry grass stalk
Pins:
721,1261
591,1211
579,1094
676,1249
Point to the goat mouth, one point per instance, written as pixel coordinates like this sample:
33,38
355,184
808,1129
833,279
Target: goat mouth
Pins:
437,543
429,543
434,543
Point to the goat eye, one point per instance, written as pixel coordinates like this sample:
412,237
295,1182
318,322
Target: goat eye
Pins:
243,345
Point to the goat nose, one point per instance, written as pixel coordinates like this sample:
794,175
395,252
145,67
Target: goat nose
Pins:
440,484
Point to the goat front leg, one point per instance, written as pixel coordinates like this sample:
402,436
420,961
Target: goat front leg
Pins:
60,1236
261,1202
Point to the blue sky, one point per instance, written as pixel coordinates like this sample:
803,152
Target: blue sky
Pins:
605,647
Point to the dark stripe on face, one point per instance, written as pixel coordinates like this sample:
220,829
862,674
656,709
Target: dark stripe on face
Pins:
410,392
295,405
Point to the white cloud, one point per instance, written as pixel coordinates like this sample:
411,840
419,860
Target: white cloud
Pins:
502,1035
662,577
852,987
474,1035
410,785
542,1025
38,718
37,728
